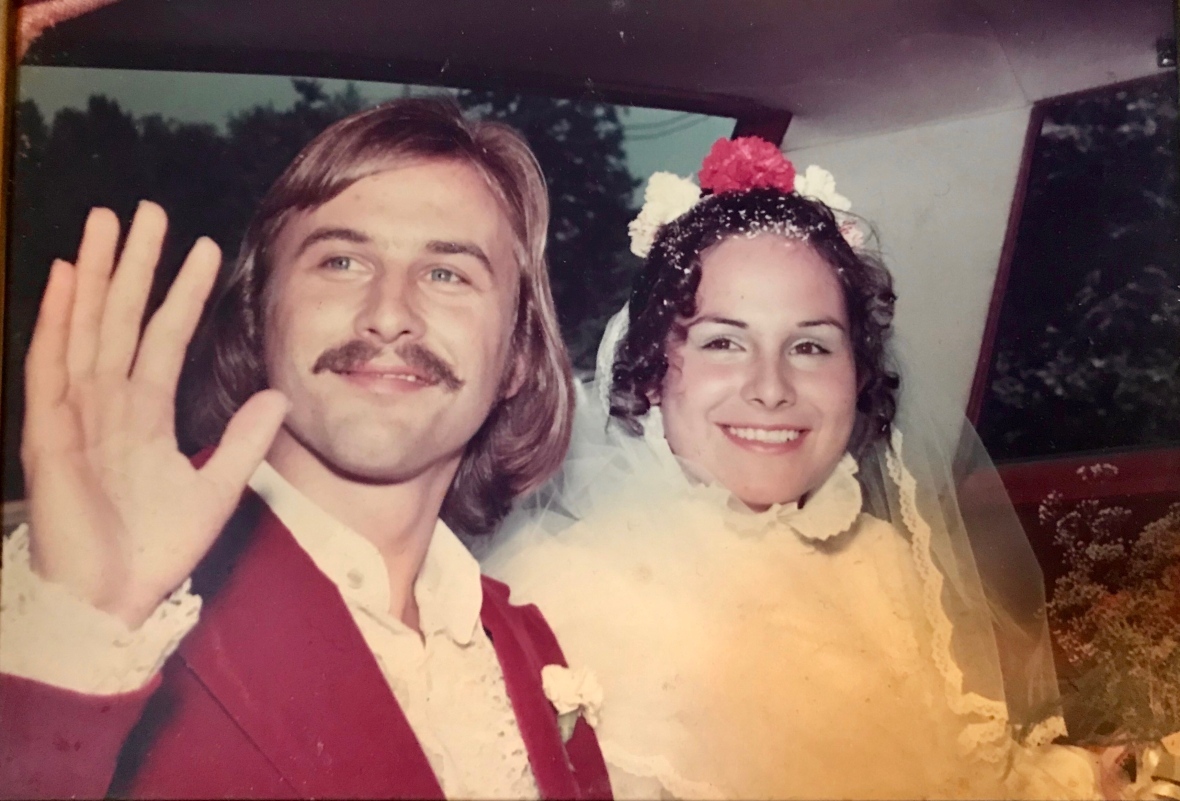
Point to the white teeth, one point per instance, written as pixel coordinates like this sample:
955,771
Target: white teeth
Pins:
775,436
401,377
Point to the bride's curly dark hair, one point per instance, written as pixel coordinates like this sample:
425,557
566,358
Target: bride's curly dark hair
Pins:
665,292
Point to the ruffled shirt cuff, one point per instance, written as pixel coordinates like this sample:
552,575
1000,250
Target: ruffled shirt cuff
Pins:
51,636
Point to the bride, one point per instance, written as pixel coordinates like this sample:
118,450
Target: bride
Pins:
780,596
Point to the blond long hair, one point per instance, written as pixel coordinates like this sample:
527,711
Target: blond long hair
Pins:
524,438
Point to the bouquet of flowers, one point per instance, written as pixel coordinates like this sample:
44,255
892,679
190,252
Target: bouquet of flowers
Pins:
1115,615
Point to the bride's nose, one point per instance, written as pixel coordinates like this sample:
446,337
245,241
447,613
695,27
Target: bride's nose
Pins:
769,383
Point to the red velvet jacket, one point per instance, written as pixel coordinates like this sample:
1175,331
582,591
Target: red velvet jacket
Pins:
273,694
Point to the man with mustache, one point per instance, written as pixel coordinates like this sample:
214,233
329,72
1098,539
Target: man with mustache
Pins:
383,367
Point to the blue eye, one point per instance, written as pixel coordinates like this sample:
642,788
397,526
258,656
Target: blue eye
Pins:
340,263
445,275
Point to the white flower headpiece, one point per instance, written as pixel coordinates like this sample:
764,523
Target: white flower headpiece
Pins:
667,197
743,163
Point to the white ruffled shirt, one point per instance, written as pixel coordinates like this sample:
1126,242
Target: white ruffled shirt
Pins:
448,681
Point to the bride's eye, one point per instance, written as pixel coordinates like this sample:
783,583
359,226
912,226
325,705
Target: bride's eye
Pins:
720,343
810,348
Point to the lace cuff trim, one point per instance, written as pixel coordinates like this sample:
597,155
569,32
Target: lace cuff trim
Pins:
55,638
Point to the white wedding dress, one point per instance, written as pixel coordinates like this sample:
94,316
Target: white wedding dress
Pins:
798,652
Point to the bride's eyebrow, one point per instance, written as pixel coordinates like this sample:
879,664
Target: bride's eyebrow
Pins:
822,321
712,318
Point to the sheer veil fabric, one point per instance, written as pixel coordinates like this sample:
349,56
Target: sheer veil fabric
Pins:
885,639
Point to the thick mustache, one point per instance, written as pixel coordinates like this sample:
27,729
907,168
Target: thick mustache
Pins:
352,355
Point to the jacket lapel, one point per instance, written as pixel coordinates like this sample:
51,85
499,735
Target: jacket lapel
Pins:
278,649
535,716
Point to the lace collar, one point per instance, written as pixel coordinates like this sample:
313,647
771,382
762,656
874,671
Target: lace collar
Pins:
828,512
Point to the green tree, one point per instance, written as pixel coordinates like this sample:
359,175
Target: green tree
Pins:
210,182
99,155
1088,350
579,145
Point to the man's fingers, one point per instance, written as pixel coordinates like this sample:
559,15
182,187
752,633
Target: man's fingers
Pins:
46,379
119,332
96,257
161,353
245,442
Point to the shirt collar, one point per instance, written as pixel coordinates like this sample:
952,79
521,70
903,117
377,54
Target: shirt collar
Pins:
448,587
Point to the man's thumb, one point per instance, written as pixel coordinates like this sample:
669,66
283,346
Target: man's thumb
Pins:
245,442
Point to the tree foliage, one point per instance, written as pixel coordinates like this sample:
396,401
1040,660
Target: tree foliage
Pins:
210,180
1087,354
579,145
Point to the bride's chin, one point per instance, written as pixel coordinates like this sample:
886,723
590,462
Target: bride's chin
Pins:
759,499
761,504
754,506
753,494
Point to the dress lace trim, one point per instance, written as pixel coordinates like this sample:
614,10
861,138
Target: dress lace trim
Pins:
661,770
989,738
830,511
1046,731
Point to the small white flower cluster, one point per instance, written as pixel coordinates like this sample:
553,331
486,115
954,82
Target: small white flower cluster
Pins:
817,183
666,197
1097,471
573,693
669,196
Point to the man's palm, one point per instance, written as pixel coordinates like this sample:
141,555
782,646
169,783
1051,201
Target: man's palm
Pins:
119,515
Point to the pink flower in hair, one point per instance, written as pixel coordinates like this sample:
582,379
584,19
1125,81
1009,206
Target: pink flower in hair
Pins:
746,163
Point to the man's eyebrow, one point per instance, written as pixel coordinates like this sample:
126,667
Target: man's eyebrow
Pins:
327,234
452,248
713,318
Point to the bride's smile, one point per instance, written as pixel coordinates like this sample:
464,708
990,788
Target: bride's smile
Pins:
759,438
